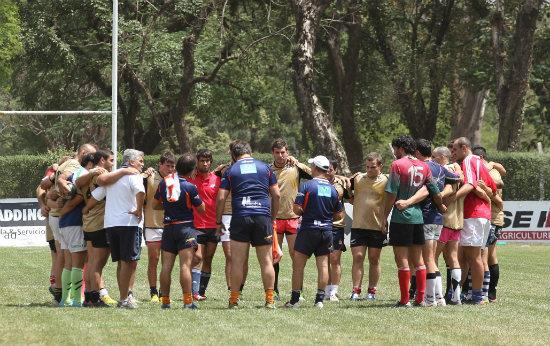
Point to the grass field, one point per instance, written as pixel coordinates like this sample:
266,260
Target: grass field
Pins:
521,315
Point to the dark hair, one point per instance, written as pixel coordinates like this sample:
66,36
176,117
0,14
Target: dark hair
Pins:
479,151
374,156
406,142
279,143
424,147
167,156
240,148
204,154
87,159
333,163
186,164
102,154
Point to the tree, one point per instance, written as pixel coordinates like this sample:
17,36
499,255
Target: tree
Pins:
512,68
307,15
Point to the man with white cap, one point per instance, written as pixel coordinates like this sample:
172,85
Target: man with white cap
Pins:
318,204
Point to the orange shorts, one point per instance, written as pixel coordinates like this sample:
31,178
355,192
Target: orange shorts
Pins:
288,226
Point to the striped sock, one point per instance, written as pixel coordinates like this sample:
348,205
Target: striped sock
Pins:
486,282
76,285
65,285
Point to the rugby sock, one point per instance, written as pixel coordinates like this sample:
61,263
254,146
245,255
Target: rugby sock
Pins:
468,284
269,296
196,276
320,296
456,276
404,275
94,297
57,294
495,274
486,281
234,297
438,286
295,296
187,298
276,286
477,296
412,286
205,278
52,280
76,285
357,290
153,290
449,287
328,290
372,290
430,288
65,285
334,290
420,284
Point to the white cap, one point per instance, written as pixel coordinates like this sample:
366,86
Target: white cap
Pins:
321,162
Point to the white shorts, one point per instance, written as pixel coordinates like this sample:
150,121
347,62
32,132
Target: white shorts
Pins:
72,239
153,234
54,225
226,221
475,232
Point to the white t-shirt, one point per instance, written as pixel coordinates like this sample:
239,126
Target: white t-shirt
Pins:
120,201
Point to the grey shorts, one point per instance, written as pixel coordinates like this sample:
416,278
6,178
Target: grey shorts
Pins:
432,231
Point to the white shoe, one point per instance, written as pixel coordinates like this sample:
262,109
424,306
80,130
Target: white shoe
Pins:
301,300
128,304
429,304
441,302
289,305
355,297
334,298
371,297
319,305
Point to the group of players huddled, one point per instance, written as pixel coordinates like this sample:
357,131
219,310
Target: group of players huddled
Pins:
441,200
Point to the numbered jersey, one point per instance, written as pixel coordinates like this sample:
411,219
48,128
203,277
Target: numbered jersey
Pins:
249,181
319,201
407,176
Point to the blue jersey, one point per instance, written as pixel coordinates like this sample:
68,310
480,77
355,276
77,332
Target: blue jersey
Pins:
180,210
249,181
440,174
74,217
319,201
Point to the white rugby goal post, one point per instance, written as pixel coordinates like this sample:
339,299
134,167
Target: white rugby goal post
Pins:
114,91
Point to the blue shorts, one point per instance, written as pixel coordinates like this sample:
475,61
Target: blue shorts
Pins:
125,243
178,237
313,242
255,229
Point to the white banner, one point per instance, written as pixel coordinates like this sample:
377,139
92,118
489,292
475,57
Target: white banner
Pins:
22,225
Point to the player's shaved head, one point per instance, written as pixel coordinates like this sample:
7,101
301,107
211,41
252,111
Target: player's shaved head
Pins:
463,142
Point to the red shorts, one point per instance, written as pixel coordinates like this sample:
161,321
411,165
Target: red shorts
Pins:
449,234
288,226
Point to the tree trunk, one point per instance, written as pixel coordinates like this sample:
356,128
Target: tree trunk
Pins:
467,122
512,71
345,70
316,119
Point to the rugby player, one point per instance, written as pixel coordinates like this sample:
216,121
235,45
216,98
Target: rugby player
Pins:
338,246
288,172
208,184
433,223
497,222
154,219
407,176
477,213
123,222
318,204
177,196
251,182
367,230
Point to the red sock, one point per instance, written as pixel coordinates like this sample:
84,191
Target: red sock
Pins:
420,284
404,276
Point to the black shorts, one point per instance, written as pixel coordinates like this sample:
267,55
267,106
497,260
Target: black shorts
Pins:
402,234
313,241
178,237
256,229
207,235
98,238
367,237
494,234
51,243
338,240
125,243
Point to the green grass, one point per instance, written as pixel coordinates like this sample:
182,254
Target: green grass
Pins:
521,315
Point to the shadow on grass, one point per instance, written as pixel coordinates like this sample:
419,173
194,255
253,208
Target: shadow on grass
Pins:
32,305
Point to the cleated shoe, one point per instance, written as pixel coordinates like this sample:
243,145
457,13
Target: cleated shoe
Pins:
154,298
165,306
334,298
128,303
270,306
191,306
441,302
319,305
100,304
108,300
421,304
399,305
371,297
289,305
355,297
232,306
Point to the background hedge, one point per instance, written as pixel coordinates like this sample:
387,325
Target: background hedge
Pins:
21,173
